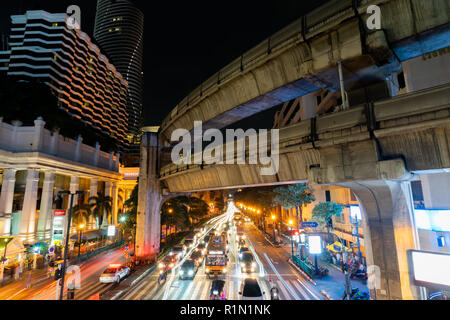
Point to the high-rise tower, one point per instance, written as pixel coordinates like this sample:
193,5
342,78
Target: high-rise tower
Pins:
119,31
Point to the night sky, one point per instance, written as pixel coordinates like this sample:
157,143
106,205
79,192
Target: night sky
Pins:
186,41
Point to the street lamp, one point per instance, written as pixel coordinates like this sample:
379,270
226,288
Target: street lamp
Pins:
273,228
80,229
66,247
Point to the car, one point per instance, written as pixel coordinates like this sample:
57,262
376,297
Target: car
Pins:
242,250
167,263
197,257
248,263
250,290
201,248
189,243
114,273
206,239
187,270
241,243
217,291
178,251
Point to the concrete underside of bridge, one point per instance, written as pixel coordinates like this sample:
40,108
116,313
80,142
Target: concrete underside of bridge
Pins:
306,66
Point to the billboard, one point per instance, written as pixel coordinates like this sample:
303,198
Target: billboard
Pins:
430,269
315,244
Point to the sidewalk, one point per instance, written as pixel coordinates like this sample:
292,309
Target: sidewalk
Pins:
333,285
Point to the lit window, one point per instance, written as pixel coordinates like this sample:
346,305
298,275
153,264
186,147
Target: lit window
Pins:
55,24
55,57
117,29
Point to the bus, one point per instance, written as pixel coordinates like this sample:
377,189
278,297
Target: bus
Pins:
216,258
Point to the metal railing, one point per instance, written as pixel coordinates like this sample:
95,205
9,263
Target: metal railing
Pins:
95,252
294,32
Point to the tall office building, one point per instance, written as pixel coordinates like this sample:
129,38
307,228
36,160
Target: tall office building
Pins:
119,31
88,86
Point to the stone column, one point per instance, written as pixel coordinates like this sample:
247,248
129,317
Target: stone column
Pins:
6,198
108,188
389,231
74,187
149,199
114,195
44,226
28,217
92,224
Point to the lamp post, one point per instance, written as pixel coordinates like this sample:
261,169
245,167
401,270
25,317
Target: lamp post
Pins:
122,219
273,228
66,247
80,230
290,222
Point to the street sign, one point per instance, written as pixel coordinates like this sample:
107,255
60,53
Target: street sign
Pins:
51,250
310,224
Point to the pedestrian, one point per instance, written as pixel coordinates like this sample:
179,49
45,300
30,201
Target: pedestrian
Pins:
28,283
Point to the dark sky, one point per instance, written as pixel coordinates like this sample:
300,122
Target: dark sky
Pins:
185,41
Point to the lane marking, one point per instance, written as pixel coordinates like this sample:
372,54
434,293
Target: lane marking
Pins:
281,278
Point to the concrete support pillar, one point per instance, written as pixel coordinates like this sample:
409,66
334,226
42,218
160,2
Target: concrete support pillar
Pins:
149,199
114,195
92,223
44,226
28,217
389,232
6,199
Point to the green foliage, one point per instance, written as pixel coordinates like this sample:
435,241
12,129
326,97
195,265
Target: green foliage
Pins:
81,212
256,197
293,196
177,211
28,100
99,205
130,212
324,211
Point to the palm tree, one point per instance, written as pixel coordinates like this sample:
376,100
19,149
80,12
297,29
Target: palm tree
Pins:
101,206
81,212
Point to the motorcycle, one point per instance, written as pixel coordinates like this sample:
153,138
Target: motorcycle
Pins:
274,294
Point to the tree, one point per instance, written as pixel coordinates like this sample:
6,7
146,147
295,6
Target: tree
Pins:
130,209
324,212
179,211
294,196
81,212
100,205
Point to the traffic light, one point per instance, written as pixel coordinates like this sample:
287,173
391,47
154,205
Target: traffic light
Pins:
58,273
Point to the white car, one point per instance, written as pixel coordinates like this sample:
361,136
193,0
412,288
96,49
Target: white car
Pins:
250,290
114,273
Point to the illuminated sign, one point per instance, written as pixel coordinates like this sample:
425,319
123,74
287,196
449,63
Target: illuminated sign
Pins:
58,229
315,244
430,268
433,220
215,252
355,212
57,213
111,231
